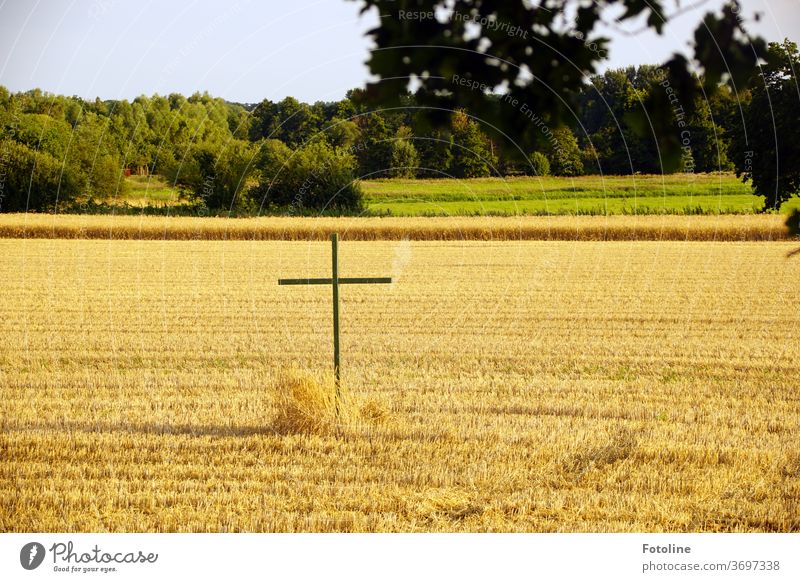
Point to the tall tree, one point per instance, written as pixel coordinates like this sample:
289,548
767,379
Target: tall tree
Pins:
315,178
765,149
472,151
292,122
218,177
540,53
374,150
405,159
564,154
435,150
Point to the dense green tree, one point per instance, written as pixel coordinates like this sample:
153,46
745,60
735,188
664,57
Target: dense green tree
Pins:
345,109
270,162
564,154
472,153
374,148
33,180
707,145
606,108
342,133
272,156
405,159
93,154
539,164
97,141
292,122
590,158
315,178
219,175
435,150
615,141
42,132
765,149
129,129
540,55
239,120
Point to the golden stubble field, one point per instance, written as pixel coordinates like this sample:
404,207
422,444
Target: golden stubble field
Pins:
507,386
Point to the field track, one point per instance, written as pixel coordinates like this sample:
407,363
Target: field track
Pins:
569,228
511,386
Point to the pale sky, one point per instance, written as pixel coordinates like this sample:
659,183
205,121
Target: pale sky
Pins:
245,50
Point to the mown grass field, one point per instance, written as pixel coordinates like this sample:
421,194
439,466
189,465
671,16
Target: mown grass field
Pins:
142,191
499,386
596,195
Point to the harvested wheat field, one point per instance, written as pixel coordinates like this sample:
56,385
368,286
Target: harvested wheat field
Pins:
515,386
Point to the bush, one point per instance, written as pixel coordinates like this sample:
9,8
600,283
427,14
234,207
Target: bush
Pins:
217,175
565,155
92,156
405,159
31,180
539,166
472,150
316,177
273,155
270,164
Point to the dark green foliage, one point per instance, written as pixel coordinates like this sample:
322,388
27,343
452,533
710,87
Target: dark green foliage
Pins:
269,164
405,159
458,63
625,135
341,133
708,142
315,178
95,142
374,151
39,131
435,154
92,154
793,222
272,156
472,151
564,154
766,148
590,159
85,152
292,122
217,178
606,108
32,180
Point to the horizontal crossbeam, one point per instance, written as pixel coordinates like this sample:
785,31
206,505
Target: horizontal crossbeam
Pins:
341,280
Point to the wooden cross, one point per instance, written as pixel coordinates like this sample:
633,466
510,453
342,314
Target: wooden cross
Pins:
334,282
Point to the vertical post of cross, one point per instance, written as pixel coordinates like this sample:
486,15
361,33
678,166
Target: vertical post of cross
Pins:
335,286
334,282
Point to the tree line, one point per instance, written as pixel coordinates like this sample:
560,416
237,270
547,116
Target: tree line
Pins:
63,152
